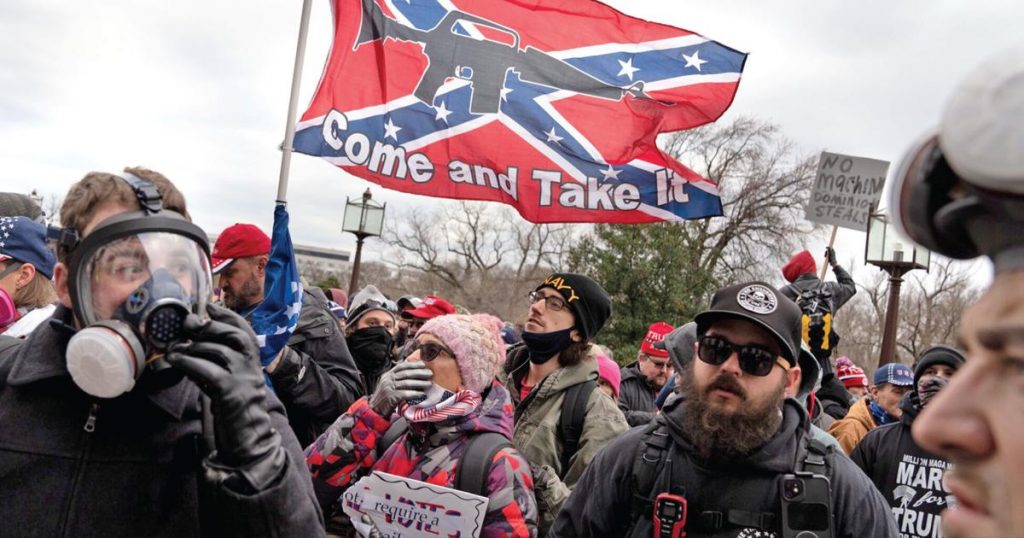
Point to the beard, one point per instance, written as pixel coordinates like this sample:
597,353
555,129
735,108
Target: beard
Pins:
721,436
245,297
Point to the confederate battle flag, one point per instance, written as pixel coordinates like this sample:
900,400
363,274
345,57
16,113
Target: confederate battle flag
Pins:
550,106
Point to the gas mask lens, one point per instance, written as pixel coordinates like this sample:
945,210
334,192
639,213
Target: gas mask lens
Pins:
150,281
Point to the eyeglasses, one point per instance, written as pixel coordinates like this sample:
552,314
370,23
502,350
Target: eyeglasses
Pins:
753,360
552,302
428,350
666,364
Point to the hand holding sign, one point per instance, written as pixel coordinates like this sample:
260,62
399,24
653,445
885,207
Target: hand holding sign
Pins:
389,506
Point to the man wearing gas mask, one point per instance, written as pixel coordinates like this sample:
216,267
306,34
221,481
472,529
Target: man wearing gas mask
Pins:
139,409
314,375
960,192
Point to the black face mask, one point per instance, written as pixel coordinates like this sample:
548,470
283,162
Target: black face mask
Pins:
543,346
371,348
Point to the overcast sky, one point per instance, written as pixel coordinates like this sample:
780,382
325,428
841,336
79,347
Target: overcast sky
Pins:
199,90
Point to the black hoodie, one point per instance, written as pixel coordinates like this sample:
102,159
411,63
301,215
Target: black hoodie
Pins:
600,505
909,477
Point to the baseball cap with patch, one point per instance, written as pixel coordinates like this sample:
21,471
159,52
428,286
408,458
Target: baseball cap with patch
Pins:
238,241
758,303
895,373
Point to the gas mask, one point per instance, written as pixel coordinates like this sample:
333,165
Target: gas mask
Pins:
960,191
133,280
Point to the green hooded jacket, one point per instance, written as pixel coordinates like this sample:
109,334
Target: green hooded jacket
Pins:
536,427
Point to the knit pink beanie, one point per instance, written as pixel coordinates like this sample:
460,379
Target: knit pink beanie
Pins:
609,371
476,342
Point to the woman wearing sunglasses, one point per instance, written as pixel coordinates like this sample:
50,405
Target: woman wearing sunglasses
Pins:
446,391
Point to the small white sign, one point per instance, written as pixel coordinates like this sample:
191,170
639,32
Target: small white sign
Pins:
403,508
845,189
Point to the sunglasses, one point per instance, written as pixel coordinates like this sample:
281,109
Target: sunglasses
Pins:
753,360
428,350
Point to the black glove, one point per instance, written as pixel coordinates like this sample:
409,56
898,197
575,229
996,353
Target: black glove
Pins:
222,358
830,254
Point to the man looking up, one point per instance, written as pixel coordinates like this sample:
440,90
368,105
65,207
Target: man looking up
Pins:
314,375
557,364
643,378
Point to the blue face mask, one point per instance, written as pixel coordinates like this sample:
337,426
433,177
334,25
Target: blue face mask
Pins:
543,346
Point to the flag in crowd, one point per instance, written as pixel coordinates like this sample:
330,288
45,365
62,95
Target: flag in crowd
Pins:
417,96
275,319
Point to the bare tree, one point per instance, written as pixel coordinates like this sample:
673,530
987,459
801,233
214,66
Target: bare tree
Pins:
482,256
763,185
930,308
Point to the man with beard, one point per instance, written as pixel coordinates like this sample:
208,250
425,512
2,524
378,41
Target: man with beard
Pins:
369,332
314,375
909,476
724,445
643,378
553,366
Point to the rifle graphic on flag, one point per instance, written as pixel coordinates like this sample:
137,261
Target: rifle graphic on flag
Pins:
495,100
275,319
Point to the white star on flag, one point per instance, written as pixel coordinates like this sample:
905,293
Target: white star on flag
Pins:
442,112
391,130
627,68
504,93
552,137
611,173
694,60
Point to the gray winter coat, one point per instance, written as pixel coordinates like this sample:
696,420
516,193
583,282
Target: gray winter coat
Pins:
636,396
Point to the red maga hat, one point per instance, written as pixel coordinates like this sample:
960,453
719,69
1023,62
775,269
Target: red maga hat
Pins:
238,241
656,333
432,307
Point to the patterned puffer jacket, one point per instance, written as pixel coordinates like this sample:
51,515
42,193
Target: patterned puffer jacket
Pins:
429,452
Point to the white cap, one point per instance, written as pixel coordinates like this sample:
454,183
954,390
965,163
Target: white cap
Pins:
982,129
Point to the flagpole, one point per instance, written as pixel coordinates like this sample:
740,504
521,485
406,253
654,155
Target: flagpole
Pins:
289,133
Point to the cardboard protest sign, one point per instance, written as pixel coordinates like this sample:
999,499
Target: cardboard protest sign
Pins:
402,508
845,189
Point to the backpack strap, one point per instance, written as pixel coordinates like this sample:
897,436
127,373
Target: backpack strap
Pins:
394,431
570,423
475,465
648,462
815,457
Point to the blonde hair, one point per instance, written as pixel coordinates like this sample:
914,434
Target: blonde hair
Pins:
39,291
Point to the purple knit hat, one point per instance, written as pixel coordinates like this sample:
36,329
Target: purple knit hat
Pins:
477,344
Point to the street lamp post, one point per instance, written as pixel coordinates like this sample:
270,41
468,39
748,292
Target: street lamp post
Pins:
363,218
888,251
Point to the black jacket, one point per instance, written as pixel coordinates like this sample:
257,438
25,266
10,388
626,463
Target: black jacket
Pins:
600,505
636,396
842,289
138,472
316,379
834,398
909,477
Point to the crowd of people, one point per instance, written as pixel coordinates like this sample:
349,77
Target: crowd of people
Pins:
134,400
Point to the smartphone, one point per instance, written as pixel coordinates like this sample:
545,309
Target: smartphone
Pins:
806,506
669,516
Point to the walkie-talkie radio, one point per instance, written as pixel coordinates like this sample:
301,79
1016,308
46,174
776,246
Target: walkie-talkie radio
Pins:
669,516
